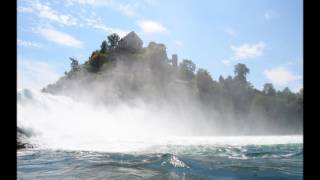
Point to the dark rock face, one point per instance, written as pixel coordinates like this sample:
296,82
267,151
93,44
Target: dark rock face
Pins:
20,145
22,136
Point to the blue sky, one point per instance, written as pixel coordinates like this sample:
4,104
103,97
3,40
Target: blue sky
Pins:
266,35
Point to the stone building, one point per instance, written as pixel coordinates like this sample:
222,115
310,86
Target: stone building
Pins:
174,60
131,42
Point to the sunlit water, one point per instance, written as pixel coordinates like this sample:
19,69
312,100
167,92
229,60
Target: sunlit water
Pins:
66,146
166,162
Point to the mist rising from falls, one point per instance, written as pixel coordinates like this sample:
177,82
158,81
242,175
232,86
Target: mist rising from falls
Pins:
61,122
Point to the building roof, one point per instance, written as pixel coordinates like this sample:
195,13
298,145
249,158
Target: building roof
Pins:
132,35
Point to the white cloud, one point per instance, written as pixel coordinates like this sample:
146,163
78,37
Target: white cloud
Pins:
110,30
96,24
226,62
231,32
83,18
270,14
35,74
149,26
60,37
281,76
248,51
295,62
129,9
44,11
25,10
95,3
28,44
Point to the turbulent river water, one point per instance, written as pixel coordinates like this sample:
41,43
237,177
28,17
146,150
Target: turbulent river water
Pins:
74,141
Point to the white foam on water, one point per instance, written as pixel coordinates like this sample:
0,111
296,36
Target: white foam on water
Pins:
58,122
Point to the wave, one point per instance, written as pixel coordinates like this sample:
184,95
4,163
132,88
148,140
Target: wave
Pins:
212,163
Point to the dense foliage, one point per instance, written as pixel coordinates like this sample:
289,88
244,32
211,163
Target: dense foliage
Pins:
148,74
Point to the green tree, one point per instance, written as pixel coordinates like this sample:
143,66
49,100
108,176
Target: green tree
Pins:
113,40
96,61
269,89
229,78
300,98
286,91
148,74
241,71
187,68
287,94
74,64
300,93
204,82
221,79
104,47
